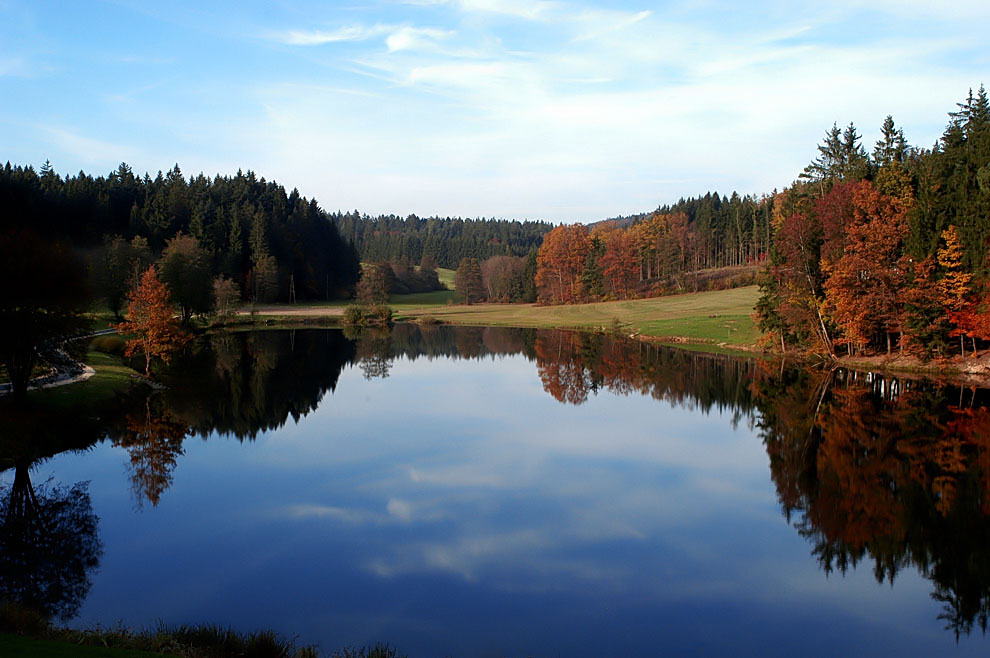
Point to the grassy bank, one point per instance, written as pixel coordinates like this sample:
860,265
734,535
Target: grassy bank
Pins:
111,377
720,317
717,317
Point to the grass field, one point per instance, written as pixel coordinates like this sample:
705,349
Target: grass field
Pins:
721,316
716,318
446,277
15,646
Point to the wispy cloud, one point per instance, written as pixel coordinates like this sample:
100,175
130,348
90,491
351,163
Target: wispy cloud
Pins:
564,110
415,38
88,149
527,9
322,37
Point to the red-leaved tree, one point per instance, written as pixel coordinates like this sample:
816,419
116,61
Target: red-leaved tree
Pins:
151,321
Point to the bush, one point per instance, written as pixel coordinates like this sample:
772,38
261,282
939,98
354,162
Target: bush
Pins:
109,344
21,620
353,314
380,314
360,314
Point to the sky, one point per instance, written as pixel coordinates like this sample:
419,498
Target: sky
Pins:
553,110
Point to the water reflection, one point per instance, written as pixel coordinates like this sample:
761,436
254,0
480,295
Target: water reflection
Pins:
49,546
894,472
153,441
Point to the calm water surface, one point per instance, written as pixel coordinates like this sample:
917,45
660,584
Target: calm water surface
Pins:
512,493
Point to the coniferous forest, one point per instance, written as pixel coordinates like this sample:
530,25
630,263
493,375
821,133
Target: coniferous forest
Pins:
446,240
274,245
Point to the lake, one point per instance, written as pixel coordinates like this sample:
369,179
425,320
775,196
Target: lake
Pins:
500,492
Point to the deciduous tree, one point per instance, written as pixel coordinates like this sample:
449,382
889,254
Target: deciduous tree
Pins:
560,262
150,319
185,269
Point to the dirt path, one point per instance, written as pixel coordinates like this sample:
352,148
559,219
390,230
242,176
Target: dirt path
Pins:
58,380
297,311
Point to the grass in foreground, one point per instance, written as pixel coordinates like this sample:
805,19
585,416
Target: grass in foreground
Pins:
16,646
204,641
111,377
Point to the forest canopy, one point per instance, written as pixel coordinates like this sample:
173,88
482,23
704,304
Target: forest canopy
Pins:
249,229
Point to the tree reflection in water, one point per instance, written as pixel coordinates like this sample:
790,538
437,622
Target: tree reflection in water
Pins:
49,545
153,441
889,469
896,471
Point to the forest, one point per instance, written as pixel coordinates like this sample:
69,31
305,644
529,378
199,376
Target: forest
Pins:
696,244
884,251
445,240
272,244
865,252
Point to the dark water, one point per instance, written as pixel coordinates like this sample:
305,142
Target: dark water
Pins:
481,492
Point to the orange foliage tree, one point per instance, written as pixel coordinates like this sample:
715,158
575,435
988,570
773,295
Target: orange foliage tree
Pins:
151,320
864,286
953,287
559,264
620,263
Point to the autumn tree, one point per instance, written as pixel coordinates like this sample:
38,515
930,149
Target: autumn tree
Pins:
468,281
560,262
226,296
150,319
953,286
792,298
865,285
620,263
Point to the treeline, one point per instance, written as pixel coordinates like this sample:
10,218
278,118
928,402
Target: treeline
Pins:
886,250
675,249
271,243
446,240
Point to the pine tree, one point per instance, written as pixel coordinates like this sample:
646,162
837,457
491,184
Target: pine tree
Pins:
468,281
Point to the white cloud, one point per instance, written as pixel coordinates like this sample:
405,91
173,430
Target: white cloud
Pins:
322,37
413,38
528,9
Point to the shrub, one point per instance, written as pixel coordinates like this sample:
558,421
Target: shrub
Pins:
109,344
353,314
360,314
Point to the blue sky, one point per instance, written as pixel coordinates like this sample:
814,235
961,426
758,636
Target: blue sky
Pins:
556,110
